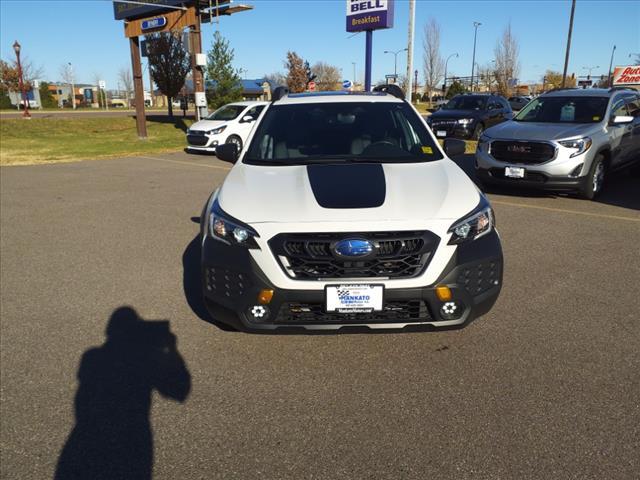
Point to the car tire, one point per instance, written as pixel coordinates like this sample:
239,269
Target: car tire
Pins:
236,140
595,178
477,131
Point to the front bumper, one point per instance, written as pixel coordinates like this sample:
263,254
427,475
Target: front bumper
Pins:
231,282
201,143
561,174
456,130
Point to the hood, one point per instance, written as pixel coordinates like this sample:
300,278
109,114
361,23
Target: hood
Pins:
440,114
348,192
206,125
513,130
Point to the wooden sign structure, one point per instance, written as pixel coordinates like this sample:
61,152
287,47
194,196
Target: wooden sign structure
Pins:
142,18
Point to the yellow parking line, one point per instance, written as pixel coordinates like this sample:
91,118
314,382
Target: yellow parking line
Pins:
562,210
185,163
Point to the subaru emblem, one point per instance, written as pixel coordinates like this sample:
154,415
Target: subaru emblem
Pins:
353,248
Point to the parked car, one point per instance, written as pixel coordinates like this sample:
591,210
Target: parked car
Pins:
565,140
467,116
517,103
31,103
118,103
231,123
343,211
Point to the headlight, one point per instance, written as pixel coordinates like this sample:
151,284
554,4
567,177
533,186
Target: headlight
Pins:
483,142
580,145
216,131
465,121
478,223
229,230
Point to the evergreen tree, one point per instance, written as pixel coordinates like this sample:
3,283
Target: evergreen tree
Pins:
226,86
46,97
297,72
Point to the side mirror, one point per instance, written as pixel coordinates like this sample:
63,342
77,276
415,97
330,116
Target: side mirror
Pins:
454,147
621,119
247,119
227,152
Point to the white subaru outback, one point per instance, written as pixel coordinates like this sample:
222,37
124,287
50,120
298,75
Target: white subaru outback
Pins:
343,211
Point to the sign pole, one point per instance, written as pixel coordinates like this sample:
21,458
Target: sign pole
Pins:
367,60
198,77
138,88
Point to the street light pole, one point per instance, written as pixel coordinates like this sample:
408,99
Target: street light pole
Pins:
473,62
395,60
445,72
610,65
25,100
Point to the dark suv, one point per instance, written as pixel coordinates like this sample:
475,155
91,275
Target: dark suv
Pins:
467,116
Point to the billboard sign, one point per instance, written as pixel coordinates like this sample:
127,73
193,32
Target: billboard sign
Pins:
627,75
369,15
123,10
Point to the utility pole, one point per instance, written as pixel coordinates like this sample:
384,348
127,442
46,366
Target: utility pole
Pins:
412,21
609,80
566,57
141,119
473,62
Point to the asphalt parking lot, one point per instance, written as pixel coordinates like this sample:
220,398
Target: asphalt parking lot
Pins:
545,386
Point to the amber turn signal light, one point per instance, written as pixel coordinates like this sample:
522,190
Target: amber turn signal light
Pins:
443,293
265,296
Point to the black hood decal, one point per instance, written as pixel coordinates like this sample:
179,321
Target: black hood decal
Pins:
351,185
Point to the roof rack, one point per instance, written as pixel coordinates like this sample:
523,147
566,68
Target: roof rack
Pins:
391,89
278,93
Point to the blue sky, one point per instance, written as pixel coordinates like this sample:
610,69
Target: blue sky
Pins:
84,32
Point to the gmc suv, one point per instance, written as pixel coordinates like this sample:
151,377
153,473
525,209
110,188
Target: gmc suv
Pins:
342,210
564,140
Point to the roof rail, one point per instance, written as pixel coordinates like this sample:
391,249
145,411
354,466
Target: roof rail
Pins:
614,89
391,89
278,93
561,88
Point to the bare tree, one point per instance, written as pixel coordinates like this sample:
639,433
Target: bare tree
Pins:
67,75
124,75
276,79
507,64
433,62
169,63
487,75
328,77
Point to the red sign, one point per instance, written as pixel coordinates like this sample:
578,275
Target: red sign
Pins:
629,75
312,86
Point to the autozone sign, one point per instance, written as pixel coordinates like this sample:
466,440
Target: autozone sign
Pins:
628,75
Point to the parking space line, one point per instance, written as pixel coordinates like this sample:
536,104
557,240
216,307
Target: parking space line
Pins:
562,210
185,163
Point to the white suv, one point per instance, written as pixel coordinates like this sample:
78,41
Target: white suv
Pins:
343,211
231,123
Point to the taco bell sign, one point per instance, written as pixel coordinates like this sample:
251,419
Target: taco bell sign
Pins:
369,15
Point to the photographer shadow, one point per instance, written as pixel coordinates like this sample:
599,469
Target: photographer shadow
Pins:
112,437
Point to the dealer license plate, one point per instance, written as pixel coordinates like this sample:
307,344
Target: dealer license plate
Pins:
354,298
441,133
514,172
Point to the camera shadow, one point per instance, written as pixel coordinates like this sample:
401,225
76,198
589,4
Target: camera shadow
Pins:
113,437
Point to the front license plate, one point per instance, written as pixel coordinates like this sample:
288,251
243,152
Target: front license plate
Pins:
441,133
354,298
514,172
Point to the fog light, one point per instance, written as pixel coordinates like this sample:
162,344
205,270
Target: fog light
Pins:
443,293
265,296
451,310
576,171
258,311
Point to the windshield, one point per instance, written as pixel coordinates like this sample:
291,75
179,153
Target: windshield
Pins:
228,112
341,132
467,102
564,110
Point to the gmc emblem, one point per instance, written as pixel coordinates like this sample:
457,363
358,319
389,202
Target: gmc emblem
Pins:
518,149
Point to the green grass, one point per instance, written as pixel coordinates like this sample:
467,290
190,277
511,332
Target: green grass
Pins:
46,140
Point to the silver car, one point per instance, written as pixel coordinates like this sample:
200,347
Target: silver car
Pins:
564,140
